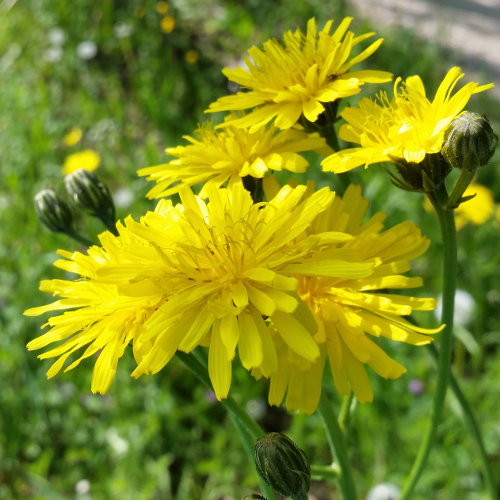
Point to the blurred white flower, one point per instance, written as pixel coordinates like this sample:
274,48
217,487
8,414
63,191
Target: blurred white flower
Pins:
256,408
119,445
464,308
384,491
123,197
86,50
123,30
53,54
82,487
57,36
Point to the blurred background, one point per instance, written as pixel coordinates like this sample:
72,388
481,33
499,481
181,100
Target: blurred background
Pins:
115,82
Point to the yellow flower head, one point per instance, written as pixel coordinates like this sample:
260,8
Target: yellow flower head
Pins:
73,137
101,312
87,159
216,157
167,24
408,126
352,310
197,274
297,78
476,210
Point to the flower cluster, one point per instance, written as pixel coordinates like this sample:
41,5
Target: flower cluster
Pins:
283,284
263,278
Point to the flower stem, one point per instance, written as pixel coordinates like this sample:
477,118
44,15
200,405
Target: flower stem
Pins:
325,471
463,182
474,429
249,430
336,441
79,238
345,411
448,232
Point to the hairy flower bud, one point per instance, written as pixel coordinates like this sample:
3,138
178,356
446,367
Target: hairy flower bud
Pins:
88,192
282,465
53,211
469,142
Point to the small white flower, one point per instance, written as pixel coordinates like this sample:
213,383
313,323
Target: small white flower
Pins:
123,197
384,491
256,408
82,487
86,50
53,54
57,36
464,308
123,30
119,445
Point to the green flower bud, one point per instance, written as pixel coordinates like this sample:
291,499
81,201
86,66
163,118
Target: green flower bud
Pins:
282,465
469,142
88,192
53,212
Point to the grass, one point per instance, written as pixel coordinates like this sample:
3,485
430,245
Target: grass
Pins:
164,437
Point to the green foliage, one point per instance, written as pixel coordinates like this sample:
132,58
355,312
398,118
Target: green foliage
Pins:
163,437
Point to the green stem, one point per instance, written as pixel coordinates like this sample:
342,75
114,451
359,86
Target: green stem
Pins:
448,231
336,441
463,182
474,429
345,411
80,239
325,471
248,430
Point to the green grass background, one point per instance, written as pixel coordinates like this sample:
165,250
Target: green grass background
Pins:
164,437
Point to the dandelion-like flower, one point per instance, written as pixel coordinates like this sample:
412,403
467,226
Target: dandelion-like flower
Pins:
407,127
352,311
299,77
197,274
215,157
87,159
477,209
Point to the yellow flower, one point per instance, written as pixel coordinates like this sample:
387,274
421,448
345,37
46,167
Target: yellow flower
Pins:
100,311
73,137
191,56
408,126
162,8
216,157
299,77
167,24
476,210
351,310
197,274
88,160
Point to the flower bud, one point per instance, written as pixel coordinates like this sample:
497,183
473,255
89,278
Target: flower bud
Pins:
91,194
469,142
53,212
282,465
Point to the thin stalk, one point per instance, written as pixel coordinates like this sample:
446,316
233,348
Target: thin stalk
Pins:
448,231
336,441
194,362
463,182
325,471
249,430
345,411
474,429
79,238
